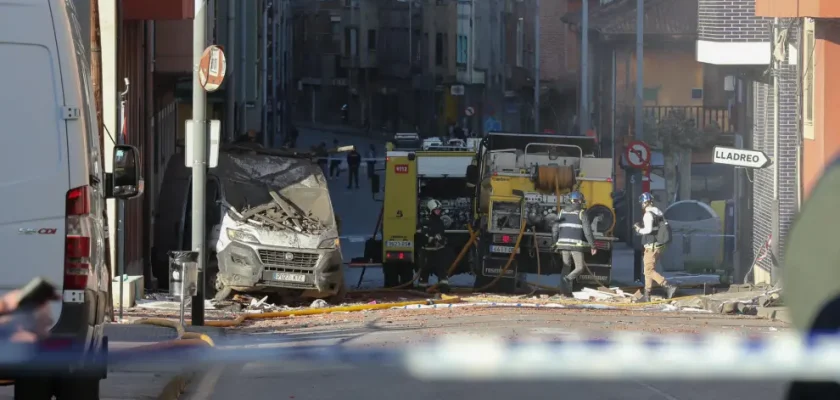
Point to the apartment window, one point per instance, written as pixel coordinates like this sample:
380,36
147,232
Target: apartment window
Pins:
351,41
439,49
463,50
520,42
335,28
809,63
371,40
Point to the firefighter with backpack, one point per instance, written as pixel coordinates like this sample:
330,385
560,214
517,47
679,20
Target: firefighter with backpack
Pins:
656,233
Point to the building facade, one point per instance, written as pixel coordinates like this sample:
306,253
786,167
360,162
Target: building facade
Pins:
740,45
820,56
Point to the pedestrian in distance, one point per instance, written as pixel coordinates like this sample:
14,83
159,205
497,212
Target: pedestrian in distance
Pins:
354,160
432,237
655,234
371,161
335,163
293,136
572,236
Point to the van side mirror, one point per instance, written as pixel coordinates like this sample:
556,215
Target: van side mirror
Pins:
125,182
374,184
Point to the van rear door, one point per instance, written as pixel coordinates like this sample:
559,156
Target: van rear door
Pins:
34,169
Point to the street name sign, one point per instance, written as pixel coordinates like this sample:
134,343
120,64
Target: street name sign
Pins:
740,157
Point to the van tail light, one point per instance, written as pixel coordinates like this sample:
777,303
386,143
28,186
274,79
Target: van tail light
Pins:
77,240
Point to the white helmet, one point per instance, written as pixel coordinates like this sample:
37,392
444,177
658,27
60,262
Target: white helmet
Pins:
433,205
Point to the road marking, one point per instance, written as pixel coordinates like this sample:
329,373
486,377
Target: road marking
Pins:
207,385
657,391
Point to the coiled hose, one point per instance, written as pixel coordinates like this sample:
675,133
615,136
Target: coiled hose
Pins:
554,178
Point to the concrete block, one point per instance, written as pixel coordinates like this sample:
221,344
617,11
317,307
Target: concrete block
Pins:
133,290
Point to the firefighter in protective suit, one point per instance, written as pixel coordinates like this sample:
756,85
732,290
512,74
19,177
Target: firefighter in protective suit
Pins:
432,239
572,235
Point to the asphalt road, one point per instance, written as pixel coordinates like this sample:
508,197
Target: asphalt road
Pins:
310,380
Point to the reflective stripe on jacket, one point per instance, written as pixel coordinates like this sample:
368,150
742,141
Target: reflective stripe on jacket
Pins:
570,230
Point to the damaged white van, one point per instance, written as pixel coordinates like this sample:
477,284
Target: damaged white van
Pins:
274,227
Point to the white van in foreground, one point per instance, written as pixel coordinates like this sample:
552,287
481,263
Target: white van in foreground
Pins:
52,219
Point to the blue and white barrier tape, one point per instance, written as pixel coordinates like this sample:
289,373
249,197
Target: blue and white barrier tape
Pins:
629,356
621,357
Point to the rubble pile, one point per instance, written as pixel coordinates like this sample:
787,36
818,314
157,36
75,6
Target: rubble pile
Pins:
278,216
746,301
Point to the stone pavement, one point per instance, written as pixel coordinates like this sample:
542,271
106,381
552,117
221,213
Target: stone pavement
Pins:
140,381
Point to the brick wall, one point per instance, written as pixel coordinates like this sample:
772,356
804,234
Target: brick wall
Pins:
554,53
731,21
763,141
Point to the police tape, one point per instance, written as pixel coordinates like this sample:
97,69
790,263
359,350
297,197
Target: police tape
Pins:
631,356
618,357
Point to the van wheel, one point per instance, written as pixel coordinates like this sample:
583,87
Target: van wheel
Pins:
338,297
78,388
35,389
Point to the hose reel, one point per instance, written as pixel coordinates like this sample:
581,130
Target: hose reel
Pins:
553,178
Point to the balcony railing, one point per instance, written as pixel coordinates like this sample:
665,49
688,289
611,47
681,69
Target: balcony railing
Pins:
703,117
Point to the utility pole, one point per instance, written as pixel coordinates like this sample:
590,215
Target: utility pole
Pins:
199,157
583,119
264,72
272,90
96,81
239,76
410,34
777,58
230,90
536,65
640,69
635,186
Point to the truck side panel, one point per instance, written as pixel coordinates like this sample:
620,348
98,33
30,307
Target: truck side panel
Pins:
400,210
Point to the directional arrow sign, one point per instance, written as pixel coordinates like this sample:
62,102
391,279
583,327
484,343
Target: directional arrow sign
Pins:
740,157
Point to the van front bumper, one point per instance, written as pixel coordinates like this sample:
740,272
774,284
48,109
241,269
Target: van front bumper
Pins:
254,267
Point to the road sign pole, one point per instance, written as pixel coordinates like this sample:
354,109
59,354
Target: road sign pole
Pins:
199,155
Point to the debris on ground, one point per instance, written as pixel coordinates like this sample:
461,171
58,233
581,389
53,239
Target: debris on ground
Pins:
735,302
319,303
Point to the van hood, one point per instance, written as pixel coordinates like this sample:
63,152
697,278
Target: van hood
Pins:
273,238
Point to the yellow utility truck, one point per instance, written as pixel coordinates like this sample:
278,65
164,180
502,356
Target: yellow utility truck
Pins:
417,171
521,181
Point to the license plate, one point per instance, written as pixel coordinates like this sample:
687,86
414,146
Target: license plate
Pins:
494,272
503,249
398,243
282,276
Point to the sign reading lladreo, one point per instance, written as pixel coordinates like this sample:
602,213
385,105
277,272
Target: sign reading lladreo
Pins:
740,157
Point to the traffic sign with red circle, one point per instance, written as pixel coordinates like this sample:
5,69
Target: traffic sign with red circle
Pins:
212,68
637,154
